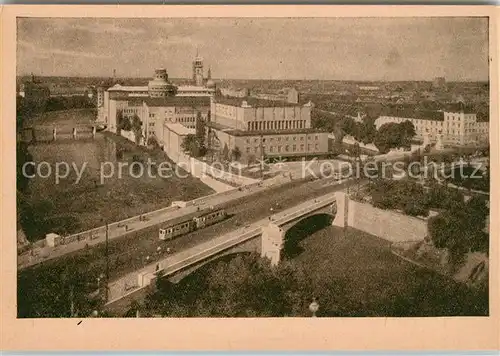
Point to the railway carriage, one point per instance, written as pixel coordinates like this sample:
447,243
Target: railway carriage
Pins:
191,223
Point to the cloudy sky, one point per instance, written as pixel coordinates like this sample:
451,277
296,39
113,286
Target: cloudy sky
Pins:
334,48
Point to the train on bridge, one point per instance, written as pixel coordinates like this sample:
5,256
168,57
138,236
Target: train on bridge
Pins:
192,222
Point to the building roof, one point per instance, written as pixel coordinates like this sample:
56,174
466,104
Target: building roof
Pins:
254,102
459,107
236,132
179,129
192,88
169,101
127,88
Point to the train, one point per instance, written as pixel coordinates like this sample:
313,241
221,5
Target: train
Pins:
186,224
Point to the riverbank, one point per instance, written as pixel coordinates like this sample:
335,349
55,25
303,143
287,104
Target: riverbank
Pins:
83,201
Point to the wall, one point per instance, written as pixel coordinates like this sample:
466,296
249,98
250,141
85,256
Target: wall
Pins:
351,141
388,225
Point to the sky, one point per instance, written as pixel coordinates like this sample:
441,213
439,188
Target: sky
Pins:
258,48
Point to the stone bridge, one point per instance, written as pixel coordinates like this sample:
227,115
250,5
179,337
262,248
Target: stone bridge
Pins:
266,237
46,133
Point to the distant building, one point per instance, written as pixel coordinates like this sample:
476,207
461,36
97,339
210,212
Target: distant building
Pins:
369,88
457,127
291,95
155,112
235,93
265,128
439,82
117,96
34,90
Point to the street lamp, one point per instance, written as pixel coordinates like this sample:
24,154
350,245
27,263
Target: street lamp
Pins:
313,307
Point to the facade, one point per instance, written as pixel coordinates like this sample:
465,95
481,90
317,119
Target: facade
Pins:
265,128
174,135
457,128
155,112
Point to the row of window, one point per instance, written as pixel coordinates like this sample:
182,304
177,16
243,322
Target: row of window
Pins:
286,138
186,119
276,125
286,148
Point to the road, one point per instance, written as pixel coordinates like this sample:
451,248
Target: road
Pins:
132,225
133,251
178,261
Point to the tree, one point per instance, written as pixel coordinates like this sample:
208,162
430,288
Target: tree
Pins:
200,128
123,122
236,153
189,145
152,141
460,229
251,159
136,127
225,153
245,286
348,126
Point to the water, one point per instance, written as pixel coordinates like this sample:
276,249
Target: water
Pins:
78,184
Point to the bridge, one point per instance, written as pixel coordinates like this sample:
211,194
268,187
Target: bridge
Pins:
60,132
59,246
266,237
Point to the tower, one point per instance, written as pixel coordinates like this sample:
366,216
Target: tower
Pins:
198,70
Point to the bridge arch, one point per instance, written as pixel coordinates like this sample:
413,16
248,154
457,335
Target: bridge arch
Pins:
302,229
248,247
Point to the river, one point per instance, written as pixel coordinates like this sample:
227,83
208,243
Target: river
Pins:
78,184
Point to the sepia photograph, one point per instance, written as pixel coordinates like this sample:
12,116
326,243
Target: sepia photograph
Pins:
252,167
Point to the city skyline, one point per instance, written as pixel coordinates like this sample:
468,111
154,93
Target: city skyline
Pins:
369,49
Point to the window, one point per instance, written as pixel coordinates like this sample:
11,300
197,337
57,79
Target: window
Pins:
287,148
263,140
302,147
255,140
295,138
316,147
294,148
279,148
248,149
255,149
271,148
302,139
308,147
248,140
316,137
286,138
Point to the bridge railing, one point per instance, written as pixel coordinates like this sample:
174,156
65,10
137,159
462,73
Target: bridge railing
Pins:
128,284
317,205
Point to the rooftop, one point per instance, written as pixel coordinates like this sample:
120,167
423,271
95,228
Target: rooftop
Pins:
169,101
118,87
179,129
255,102
192,88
